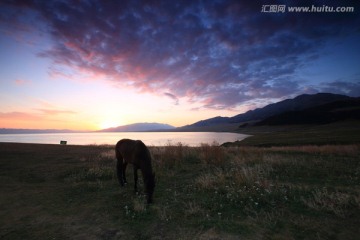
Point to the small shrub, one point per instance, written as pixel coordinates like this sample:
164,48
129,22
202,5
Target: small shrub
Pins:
169,156
246,175
211,180
212,154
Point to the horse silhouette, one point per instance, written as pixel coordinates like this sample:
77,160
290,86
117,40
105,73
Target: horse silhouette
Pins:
136,153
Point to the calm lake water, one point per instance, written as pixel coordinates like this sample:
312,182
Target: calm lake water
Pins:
149,138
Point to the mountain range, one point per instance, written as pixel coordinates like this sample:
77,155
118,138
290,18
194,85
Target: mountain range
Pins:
323,114
139,127
304,109
289,106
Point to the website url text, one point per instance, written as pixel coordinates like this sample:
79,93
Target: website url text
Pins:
312,9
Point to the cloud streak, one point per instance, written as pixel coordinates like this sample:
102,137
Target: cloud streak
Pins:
52,112
173,97
220,54
23,116
36,119
21,82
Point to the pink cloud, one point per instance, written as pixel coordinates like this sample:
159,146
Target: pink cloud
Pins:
23,116
22,82
55,112
37,120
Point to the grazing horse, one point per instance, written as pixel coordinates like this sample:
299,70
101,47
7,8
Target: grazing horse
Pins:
136,153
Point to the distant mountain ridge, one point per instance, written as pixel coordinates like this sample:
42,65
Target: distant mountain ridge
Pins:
139,127
326,113
298,103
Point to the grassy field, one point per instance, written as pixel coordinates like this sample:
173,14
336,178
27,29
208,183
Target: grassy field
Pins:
346,132
208,192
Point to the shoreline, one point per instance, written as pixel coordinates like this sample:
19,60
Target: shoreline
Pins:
149,138
341,133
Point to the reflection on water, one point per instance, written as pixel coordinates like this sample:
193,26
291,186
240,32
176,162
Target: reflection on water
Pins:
149,138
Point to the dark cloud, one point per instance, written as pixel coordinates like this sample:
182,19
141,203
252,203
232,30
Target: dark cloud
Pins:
341,87
219,53
173,97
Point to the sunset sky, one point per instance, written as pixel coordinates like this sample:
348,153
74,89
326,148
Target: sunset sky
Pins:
88,65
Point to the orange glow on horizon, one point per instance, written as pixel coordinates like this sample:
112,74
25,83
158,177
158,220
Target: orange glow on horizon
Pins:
23,120
109,124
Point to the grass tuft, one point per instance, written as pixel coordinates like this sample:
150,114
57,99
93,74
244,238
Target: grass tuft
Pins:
336,202
212,154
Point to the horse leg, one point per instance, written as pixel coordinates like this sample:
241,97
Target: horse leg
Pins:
124,170
135,179
120,172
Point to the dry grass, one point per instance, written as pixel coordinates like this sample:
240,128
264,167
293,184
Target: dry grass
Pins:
170,156
335,202
236,175
100,160
350,150
208,192
139,205
193,208
212,154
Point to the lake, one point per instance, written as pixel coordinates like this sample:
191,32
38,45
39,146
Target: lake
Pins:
149,138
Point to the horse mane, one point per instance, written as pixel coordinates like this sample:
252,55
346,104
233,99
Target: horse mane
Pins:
145,154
